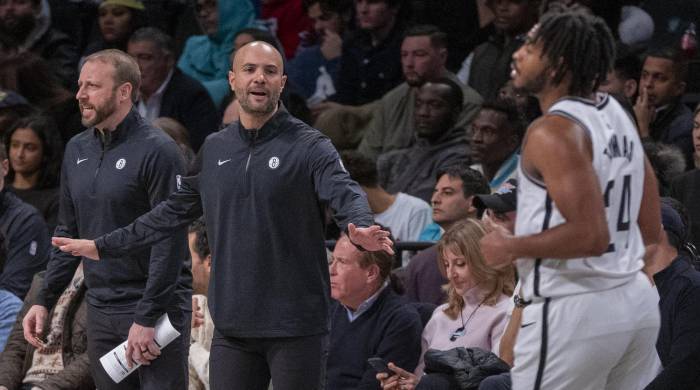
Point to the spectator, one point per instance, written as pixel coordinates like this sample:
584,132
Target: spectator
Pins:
25,25
405,215
440,142
177,132
35,151
636,25
167,91
460,18
62,362
487,68
661,115
177,18
30,76
117,20
202,324
314,68
249,34
369,64
286,20
678,284
475,312
495,142
455,190
686,188
623,79
206,57
76,19
500,206
367,319
25,251
12,107
499,209
528,106
423,56
667,161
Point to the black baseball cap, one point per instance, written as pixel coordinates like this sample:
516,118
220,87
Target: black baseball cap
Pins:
502,201
672,221
10,98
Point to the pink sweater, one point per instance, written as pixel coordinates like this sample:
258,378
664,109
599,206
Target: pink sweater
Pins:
484,329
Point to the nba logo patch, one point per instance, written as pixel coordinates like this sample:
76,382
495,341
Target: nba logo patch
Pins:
178,181
32,248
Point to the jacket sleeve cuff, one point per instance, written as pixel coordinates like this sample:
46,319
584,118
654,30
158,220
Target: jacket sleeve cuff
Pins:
101,246
147,321
43,300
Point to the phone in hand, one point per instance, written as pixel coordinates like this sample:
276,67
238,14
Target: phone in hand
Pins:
379,365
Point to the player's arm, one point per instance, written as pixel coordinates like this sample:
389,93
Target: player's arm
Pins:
560,153
650,211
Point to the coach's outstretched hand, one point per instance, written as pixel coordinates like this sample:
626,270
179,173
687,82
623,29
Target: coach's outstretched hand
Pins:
371,238
76,247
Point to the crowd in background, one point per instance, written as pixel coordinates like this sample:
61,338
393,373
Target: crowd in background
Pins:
416,96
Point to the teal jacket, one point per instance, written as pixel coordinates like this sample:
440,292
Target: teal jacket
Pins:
206,58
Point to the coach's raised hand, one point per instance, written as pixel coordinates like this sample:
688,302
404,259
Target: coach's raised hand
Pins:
76,247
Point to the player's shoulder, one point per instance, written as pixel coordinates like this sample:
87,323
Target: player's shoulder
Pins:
550,130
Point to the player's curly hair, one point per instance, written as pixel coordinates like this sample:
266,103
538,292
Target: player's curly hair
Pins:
576,42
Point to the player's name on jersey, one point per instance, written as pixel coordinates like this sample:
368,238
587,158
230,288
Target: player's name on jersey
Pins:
614,150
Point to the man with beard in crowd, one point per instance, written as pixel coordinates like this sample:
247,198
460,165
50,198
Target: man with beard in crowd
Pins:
25,25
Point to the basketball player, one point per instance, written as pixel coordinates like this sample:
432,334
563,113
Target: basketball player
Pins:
587,206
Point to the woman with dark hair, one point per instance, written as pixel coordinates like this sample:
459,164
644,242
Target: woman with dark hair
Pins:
117,20
29,75
35,151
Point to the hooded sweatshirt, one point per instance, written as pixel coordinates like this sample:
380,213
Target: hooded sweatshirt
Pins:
206,57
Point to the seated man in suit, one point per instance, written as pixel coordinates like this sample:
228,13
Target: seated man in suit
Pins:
168,92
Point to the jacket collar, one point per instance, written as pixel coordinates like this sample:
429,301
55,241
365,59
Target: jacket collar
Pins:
271,128
107,138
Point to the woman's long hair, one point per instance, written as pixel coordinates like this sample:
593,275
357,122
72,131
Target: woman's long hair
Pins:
463,238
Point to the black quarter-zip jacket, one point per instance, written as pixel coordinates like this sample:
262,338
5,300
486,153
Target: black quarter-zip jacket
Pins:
107,181
262,193
24,244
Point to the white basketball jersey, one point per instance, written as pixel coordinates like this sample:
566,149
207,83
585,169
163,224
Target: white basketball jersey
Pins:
618,160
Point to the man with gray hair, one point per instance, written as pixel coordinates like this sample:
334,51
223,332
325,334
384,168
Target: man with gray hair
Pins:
168,92
116,170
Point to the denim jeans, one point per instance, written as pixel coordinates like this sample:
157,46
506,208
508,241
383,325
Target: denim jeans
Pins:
10,306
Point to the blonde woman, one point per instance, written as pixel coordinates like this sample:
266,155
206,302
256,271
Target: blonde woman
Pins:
475,312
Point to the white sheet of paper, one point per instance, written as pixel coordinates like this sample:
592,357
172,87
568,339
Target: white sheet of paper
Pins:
114,361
